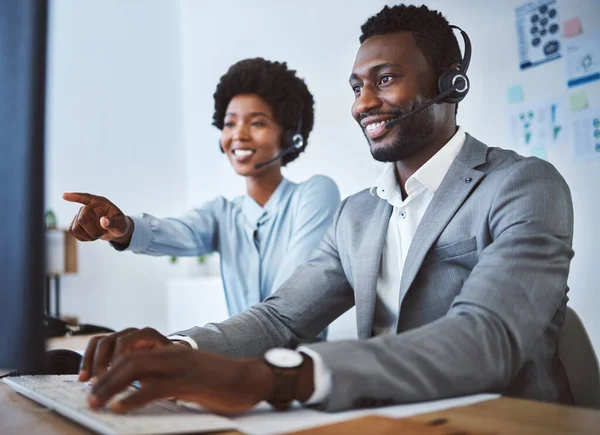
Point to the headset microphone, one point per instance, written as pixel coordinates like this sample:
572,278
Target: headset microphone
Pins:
282,153
425,106
294,142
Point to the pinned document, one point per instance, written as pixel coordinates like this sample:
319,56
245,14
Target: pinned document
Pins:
515,94
540,124
539,152
538,32
583,59
586,134
571,27
578,101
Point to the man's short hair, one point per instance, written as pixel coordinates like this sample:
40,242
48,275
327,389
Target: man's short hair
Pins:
279,86
431,32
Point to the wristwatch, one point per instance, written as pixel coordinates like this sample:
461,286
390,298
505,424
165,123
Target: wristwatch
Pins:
286,364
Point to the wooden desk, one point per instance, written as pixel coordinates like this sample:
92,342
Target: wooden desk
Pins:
19,415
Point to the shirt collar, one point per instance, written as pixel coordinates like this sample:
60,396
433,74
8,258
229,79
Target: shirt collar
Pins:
430,175
255,214
387,184
435,169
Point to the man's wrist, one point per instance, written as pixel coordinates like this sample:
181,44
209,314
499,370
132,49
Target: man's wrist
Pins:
262,379
182,343
306,379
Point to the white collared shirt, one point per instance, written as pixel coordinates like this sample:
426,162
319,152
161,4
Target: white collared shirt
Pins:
406,215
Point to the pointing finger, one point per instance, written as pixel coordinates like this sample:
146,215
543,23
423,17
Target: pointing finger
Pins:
81,198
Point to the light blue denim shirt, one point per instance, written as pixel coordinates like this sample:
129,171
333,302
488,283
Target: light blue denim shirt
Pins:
259,246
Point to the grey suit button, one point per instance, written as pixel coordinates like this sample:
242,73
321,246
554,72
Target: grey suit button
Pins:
468,180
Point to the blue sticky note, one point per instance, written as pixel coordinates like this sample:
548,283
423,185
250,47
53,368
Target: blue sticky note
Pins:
539,152
515,94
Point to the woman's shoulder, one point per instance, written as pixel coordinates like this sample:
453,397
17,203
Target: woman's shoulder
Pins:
318,182
221,204
318,188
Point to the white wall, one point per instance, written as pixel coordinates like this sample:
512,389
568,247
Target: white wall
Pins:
114,129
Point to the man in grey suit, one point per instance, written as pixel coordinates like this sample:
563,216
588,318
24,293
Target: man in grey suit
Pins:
457,262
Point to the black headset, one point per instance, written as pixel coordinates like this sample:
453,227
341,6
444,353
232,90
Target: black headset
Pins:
453,85
293,139
457,79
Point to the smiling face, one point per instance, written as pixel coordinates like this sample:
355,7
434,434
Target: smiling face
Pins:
251,134
390,78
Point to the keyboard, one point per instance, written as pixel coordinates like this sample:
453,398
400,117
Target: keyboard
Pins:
67,396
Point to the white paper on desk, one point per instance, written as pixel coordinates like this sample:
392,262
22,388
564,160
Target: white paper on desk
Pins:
262,420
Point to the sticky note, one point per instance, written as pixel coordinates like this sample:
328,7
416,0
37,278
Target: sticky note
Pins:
578,101
515,94
571,27
539,152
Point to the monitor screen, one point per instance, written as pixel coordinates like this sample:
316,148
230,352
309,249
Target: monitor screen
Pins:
23,26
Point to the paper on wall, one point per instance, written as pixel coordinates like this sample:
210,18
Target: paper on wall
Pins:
539,124
515,94
538,32
578,101
571,27
539,152
586,134
583,59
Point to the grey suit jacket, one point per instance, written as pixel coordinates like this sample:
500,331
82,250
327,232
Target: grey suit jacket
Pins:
486,280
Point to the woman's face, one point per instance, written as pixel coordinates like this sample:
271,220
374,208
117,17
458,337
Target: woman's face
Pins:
250,134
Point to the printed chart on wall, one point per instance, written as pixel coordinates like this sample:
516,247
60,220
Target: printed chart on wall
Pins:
586,134
538,32
583,59
539,124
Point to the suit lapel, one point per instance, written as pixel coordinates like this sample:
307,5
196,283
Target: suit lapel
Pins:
369,253
458,183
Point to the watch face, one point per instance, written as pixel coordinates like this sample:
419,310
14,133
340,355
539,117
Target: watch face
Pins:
284,358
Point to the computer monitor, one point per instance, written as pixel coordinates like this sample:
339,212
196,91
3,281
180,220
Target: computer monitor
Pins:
23,26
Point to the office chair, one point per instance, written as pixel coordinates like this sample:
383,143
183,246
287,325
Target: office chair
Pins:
579,360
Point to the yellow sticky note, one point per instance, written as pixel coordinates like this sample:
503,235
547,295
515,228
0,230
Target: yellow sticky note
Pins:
578,101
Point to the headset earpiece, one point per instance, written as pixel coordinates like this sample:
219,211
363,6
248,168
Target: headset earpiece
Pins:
292,139
458,78
453,84
451,78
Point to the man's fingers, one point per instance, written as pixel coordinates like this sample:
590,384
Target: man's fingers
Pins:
104,351
85,370
146,338
142,365
151,390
